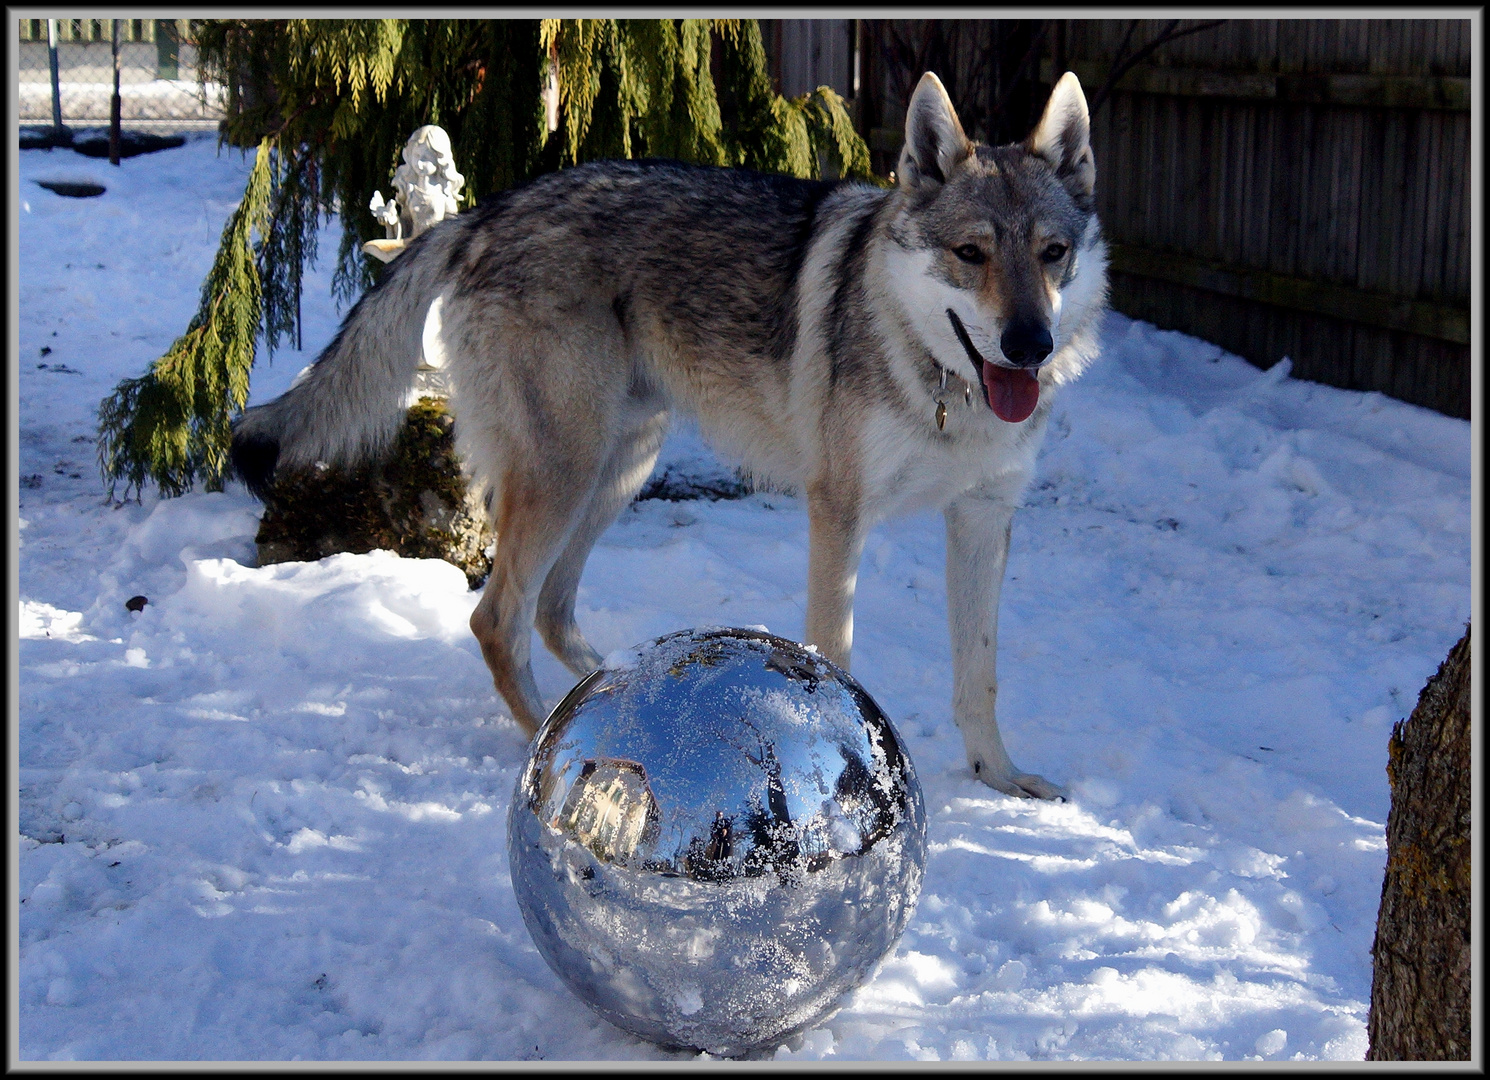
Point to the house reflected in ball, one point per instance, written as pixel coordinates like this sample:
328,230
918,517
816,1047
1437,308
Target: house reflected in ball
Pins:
610,809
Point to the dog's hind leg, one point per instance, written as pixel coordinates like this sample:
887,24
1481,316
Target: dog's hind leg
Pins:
978,531
541,502
625,471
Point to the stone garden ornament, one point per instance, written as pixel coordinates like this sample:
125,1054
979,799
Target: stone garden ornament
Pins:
427,190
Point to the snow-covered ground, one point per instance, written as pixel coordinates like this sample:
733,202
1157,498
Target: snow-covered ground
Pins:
263,818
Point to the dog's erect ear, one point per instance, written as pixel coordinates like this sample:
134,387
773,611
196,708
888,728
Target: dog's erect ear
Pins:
1063,138
934,142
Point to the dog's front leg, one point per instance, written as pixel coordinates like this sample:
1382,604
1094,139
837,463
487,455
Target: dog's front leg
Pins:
835,539
977,550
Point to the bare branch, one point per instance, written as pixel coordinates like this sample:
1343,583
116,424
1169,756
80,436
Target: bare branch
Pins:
1122,67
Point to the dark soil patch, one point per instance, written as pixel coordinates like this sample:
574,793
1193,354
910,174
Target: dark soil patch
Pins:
73,190
672,486
94,142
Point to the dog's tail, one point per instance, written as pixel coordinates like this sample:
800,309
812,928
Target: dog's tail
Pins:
347,407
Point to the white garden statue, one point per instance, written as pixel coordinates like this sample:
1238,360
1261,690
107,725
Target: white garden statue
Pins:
427,190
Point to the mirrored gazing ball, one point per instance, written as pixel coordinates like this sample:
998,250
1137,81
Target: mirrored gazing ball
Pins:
715,839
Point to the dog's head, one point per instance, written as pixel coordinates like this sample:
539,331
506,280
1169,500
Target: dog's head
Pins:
996,252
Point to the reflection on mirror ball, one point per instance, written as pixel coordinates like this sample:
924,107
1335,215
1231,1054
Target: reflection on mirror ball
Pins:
716,837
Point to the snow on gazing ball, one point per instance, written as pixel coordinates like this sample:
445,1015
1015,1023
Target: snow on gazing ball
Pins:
716,837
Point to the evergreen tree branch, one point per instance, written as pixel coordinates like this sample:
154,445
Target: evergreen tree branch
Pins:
171,425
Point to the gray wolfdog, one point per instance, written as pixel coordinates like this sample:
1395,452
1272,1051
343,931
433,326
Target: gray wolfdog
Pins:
879,350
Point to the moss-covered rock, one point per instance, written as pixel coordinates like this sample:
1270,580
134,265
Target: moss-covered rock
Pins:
415,503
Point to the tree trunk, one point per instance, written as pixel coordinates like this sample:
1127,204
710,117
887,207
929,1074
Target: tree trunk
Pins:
1421,957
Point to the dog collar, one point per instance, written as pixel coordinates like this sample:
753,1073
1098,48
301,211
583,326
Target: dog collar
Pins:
939,394
967,343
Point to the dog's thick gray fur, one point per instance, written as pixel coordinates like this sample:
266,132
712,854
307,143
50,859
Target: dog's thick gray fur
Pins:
878,350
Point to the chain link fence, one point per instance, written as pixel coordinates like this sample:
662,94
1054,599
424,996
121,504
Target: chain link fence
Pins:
67,75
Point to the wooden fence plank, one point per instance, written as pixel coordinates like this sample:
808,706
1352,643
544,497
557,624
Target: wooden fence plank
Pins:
1435,216
1348,166
1406,259
1456,277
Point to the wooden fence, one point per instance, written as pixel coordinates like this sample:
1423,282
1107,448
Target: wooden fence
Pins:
1298,188
1281,187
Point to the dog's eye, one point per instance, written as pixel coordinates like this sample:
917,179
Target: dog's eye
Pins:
968,253
1054,252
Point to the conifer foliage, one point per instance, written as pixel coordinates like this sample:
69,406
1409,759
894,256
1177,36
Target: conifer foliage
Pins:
171,425
329,103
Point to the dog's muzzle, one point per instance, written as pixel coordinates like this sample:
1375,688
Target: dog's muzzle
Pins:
1012,393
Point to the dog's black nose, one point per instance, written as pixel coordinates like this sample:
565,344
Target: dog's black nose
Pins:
1026,344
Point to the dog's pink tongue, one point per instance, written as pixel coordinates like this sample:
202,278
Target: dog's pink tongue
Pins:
1012,393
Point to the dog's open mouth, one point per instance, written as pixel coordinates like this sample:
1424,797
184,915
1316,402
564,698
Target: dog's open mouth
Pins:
1012,393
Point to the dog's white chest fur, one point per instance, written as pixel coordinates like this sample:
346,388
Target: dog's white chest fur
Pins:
910,466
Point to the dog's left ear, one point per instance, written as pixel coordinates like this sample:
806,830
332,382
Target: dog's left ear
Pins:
1063,138
934,142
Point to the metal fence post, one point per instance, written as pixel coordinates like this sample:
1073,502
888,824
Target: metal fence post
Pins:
56,82
114,102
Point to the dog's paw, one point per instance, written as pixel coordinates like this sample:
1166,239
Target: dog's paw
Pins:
1021,785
